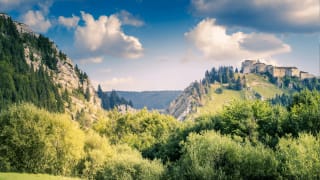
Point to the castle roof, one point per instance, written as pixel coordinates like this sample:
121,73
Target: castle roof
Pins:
282,67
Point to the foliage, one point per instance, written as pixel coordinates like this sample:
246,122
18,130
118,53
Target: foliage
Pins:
283,100
140,130
304,113
81,75
36,141
128,164
18,81
219,91
299,158
212,156
24,176
247,140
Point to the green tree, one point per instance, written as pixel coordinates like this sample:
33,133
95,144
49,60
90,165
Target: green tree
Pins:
299,158
35,141
212,156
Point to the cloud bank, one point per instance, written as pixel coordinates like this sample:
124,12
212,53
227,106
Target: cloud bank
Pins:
298,16
216,44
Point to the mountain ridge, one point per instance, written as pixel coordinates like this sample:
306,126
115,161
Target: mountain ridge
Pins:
41,54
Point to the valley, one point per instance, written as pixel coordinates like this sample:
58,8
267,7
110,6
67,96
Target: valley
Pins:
257,121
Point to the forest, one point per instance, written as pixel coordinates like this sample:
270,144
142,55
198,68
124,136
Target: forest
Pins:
246,140
19,81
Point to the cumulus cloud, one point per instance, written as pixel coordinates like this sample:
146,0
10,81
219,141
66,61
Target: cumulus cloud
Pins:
104,36
264,15
37,21
95,60
216,44
70,22
128,19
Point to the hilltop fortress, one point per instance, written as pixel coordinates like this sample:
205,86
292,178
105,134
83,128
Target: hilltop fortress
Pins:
255,66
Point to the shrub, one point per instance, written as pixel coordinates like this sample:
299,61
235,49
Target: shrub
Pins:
36,141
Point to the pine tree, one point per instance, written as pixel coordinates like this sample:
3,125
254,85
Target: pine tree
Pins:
87,94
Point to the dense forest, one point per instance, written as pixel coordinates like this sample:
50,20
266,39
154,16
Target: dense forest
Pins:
18,81
246,140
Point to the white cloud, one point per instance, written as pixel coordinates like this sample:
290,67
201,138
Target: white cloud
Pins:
104,36
95,60
117,83
37,21
70,22
214,42
128,19
265,15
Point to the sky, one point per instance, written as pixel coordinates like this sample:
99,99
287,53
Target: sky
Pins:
140,45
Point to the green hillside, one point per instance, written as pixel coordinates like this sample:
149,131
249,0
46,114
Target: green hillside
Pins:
219,95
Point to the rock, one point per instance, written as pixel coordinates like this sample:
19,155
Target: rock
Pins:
185,104
65,77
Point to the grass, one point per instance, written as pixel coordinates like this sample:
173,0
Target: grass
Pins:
262,86
23,176
214,102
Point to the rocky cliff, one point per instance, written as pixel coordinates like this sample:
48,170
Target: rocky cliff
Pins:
187,102
69,79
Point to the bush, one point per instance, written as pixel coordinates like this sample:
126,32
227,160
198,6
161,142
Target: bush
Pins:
212,156
128,164
35,141
140,129
219,91
299,158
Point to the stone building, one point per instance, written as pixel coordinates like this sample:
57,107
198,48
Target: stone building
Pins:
305,75
260,67
285,71
247,66
255,66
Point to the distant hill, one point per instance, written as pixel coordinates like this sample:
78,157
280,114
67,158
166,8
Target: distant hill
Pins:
151,99
110,100
254,81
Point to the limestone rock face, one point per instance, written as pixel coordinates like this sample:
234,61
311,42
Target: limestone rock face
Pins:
185,104
65,77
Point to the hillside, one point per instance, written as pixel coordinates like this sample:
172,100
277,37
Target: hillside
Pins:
35,70
224,84
258,87
159,100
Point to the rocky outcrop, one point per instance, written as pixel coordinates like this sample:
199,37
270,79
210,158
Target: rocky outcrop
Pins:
187,102
65,76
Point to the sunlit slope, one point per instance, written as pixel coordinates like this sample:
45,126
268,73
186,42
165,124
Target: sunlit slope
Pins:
258,87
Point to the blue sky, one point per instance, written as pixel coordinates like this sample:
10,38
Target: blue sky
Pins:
165,45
